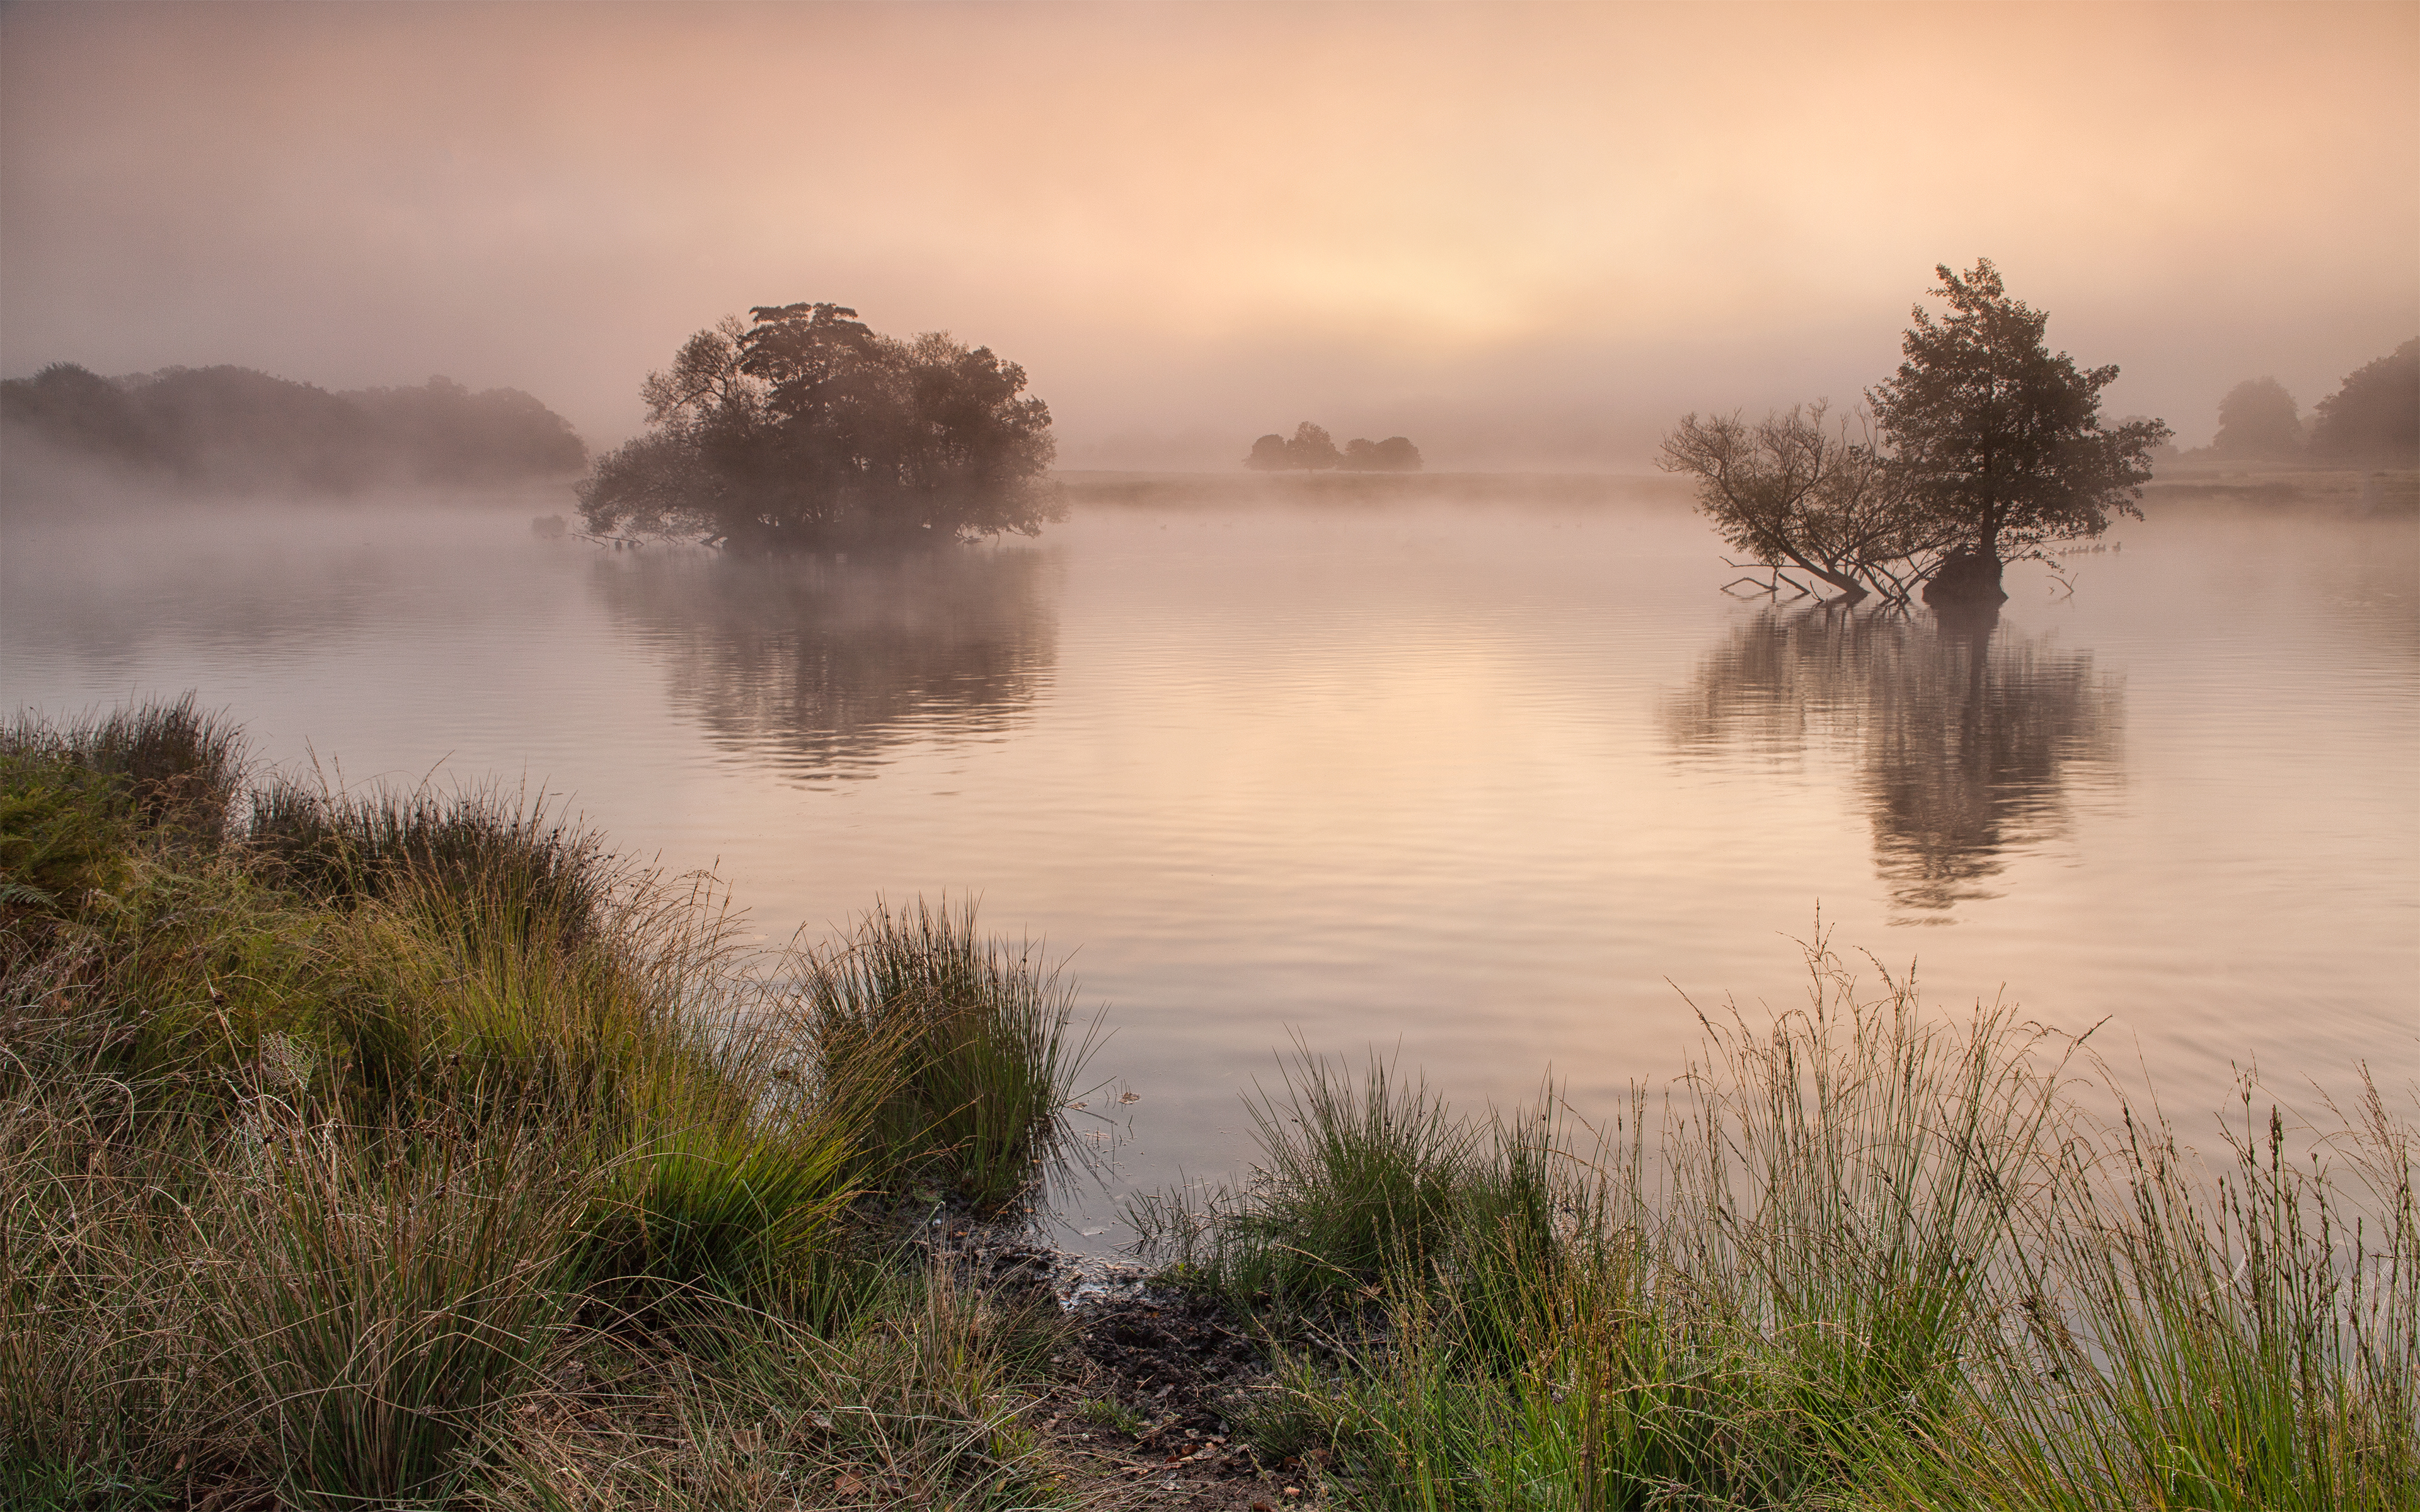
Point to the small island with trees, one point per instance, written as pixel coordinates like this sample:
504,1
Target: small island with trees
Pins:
802,429
1310,449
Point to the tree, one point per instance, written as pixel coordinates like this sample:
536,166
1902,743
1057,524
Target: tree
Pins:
231,426
2000,441
1269,455
2374,419
1789,492
1393,454
803,429
2258,419
1312,448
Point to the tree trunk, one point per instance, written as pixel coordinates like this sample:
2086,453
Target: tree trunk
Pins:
1966,578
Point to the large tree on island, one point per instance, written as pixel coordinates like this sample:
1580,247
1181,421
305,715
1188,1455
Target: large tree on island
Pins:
803,429
2000,439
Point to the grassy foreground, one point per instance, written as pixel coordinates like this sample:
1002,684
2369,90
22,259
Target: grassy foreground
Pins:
1862,1259
399,1150
369,1152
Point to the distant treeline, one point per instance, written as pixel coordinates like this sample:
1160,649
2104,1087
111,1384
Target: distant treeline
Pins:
2372,419
232,426
1312,450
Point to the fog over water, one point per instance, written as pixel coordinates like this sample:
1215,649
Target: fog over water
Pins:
1489,785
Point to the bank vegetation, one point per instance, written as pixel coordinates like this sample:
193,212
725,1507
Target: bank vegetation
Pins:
379,1150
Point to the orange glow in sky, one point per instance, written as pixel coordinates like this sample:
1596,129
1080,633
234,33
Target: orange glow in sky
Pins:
1516,233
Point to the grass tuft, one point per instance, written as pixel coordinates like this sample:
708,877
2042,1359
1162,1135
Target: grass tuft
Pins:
962,1049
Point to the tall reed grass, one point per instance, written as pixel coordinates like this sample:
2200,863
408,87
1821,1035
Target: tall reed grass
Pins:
1865,1257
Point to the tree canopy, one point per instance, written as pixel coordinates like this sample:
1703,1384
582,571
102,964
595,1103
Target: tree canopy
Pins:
1983,447
231,426
801,428
1312,449
1396,454
2258,419
2374,419
1998,437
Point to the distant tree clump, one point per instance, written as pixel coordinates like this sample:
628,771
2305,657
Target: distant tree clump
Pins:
1312,449
802,429
2258,419
1986,448
234,427
2374,419
1269,455
1396,454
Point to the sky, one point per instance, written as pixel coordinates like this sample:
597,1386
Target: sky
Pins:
1524,236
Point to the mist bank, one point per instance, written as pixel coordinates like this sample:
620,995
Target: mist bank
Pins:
1081,488
226,429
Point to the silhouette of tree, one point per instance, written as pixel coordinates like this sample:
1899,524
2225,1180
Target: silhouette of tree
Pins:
2374,419
74,406
2001,439
805,430
1269,455
232,426
1312,448
1789,492
1394,454
2258,419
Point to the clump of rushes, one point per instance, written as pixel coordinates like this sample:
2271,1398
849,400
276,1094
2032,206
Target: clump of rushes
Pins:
73,798
1870,1259
348,847
1358,1177
347,1153
961,1048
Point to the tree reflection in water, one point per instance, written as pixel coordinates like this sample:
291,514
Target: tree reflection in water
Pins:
823,667
1965,735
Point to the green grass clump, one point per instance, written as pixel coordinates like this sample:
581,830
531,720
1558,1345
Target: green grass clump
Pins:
1359,1177
974,1046
342,1147
1870,1259
75,797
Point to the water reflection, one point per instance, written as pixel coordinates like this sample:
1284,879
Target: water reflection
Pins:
1965,735
822,667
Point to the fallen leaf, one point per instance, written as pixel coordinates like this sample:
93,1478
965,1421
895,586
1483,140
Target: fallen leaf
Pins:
846,1484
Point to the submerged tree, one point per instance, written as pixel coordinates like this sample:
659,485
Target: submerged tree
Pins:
1788,491
803,429
1999,439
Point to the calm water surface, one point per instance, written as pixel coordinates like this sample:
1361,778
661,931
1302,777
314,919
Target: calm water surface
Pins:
1496,788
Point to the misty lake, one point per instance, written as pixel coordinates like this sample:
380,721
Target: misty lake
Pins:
1496,787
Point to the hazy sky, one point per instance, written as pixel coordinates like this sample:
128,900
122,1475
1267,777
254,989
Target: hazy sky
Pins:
1514,233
